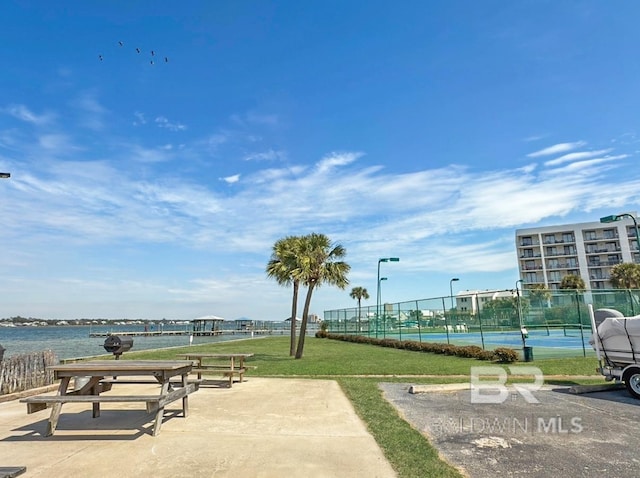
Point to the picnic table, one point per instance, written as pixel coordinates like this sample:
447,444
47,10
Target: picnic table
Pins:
100,376
226,364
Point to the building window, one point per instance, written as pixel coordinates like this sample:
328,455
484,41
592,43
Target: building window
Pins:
609,234
549,239
567,237
526,241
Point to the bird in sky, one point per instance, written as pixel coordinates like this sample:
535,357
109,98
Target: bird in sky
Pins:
139,50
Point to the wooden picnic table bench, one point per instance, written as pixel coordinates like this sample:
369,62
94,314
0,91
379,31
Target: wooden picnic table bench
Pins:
97,371
225,364
11,471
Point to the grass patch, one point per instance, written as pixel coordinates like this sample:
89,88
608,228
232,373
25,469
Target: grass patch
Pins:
359,367
408,451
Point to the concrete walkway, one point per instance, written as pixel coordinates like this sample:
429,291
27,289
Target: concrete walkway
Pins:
264,427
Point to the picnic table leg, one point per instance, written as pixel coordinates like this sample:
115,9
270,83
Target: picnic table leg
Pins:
57,407
160,412
200,366
185,399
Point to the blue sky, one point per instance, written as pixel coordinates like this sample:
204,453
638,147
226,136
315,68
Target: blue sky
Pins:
424,130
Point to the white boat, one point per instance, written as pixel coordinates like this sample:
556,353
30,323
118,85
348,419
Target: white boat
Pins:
616,340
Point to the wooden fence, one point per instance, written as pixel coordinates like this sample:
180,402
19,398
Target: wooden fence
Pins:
26,371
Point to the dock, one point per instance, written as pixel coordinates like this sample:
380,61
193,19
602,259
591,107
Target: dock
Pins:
197,333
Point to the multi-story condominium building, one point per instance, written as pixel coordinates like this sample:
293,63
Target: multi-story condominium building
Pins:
588,250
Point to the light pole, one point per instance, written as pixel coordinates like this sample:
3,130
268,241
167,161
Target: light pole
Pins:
455,279
521,282
384,259
617,217
384,333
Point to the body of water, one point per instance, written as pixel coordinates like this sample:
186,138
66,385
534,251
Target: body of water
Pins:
74,341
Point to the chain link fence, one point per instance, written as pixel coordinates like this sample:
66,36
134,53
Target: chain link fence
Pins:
556,323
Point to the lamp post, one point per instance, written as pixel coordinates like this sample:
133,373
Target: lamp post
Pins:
617,217
520,281
384,259
451,289
384,333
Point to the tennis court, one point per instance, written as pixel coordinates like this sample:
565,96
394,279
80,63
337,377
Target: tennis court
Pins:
557,341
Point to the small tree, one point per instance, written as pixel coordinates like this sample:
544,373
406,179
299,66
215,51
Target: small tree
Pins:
539,294
626,276
359,293
572,282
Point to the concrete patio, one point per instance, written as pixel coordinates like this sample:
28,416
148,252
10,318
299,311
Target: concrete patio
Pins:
264,427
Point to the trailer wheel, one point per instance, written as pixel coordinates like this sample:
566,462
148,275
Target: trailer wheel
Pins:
631,380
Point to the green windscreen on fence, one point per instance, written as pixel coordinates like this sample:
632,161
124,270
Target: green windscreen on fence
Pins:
554,323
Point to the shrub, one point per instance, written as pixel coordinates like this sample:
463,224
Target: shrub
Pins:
501,354
487,355
470,351
505,355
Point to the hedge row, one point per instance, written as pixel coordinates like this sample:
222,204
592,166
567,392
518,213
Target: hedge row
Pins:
500,354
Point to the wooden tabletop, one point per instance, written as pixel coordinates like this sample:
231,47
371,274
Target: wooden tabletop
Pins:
120,367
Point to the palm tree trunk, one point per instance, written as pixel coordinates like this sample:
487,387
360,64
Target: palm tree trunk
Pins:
359,315
294,312
305,317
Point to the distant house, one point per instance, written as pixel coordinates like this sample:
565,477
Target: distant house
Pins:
472,301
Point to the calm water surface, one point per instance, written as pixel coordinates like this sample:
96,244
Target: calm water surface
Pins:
74,341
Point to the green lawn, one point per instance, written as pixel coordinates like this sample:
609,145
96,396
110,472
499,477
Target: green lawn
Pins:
359,368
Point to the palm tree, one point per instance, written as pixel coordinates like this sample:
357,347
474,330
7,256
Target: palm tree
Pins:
626,276
319,263
285,269
359,293
572,281
539,294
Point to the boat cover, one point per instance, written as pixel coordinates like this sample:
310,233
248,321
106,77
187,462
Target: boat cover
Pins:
619,340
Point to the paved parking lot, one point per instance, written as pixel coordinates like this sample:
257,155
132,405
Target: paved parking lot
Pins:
564,435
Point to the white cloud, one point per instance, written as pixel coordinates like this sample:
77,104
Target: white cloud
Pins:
333,160
92,112
232,179
163,122
588,164
556,149
23,113
140,118
269,155
576,156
